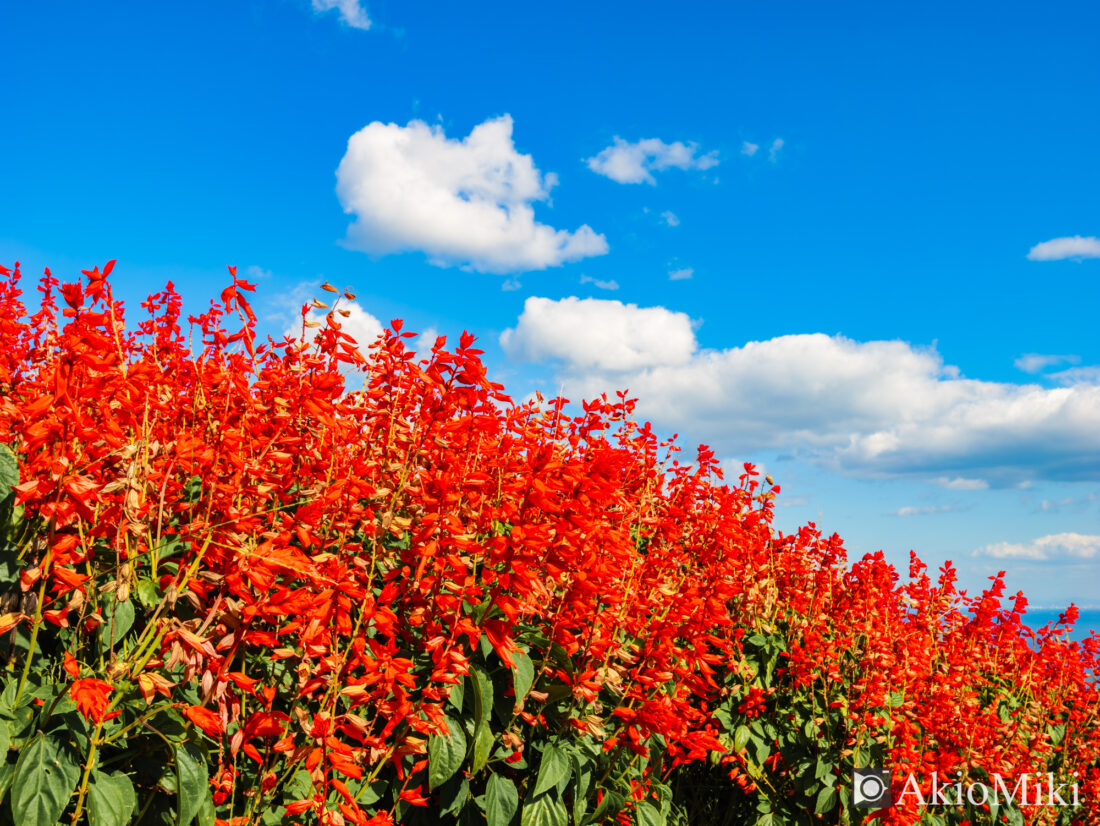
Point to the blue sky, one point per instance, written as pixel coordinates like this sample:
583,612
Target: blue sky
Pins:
846,242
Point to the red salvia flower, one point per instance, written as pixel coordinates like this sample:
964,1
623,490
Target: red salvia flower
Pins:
92,697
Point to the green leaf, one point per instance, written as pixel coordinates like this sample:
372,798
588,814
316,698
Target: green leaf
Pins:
70,726
583,777
483,695
111,799
523,674
557,692
207,813
609,807
554,766
455,697
119,618
19,716
483,746
501,800
561,657
453,796
646,814
9,471
194,782
300,785
445,754
7,772
741,737
544,810
148,594
45,776
826,800
371,796
5,739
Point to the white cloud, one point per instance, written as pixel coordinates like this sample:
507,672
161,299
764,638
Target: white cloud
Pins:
255,273
773,152
1077,375
671,218
1074,246
424,342
1078,503
1037,362
633,163
959,483
351,12
912,510
462,202
598,333
1055,546
359,324
598,284
286,312
681,274
875,409
749,148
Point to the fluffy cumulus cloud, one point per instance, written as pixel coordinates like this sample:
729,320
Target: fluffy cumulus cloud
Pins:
358,323
351,12
635,163
1059,546
591,333
462,202
876,408
287,313
1074,246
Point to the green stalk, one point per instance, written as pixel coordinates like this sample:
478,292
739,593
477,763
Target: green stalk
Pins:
34,631
83,791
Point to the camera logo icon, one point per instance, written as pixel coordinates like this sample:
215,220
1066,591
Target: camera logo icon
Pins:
871,789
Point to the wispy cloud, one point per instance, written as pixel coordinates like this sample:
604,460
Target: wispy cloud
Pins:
959,483
681,274
1037,362
773,151
1076,375
634,163
464,203
1075,246
748,148
351,12
256,273
1055,546
598,284
670,218
912,510
1077,503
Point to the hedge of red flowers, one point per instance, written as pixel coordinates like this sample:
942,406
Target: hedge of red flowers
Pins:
248,581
